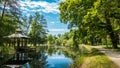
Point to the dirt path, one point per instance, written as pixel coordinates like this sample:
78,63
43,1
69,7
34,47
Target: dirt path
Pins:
110,53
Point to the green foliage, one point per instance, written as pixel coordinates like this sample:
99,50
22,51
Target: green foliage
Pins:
38,31
69,42
9,18
94,19
39,60
27,21
6,50
57,42
66,39
50,39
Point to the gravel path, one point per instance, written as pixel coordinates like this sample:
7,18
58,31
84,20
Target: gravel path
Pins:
110,53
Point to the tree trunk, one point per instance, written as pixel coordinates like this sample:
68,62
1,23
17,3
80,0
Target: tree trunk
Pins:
113,39
106,42
34,43
3,11
111,33
75,40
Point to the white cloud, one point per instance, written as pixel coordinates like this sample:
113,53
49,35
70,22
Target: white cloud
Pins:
52,22
43,6
58,57
58,30
25,9
60,1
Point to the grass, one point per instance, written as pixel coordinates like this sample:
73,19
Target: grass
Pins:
93,59
109,46
6,50
6,53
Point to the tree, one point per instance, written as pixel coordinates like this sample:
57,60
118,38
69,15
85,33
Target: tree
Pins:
27,21
38,29
106,18
9,6
9,17
92,17
39,60
50,39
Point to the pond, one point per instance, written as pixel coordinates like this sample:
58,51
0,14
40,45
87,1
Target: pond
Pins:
43,57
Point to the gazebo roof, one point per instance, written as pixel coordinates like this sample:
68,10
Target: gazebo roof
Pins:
17,34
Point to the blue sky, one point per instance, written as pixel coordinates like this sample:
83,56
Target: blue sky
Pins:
49,8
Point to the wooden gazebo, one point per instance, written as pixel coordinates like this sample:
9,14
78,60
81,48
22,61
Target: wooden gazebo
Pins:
18,38
19,41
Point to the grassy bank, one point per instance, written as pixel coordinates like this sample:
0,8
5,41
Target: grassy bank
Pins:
5,54
93,59
6,50
109,46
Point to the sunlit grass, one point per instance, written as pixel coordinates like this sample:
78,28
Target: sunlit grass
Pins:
93,59
109,46
98,61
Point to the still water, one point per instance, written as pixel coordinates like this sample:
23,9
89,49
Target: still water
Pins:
43,57
57,60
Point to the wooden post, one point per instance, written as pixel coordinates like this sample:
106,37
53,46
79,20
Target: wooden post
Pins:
22,42
18,42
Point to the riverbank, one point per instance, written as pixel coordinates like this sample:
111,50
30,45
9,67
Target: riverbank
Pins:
93,58
112,54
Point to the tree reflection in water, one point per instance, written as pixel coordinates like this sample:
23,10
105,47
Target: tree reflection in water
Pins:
39,60
25,60
4,55
56,58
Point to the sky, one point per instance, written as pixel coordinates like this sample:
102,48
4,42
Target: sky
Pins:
48,8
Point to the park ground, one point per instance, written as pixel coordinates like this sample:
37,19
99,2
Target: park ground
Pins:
112,54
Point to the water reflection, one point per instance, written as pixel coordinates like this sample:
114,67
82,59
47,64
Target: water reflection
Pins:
39,60
43,57
25,60
58,60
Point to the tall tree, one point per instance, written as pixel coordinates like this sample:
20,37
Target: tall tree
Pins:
92,17
10,7
103,16
38,28
27,21
9,17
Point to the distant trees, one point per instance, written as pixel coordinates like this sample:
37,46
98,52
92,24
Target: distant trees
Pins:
94,19
54,39
50,39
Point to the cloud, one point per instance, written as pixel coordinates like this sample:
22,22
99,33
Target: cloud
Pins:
25,9
60,1
43,6
58,57
58,30
52,22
